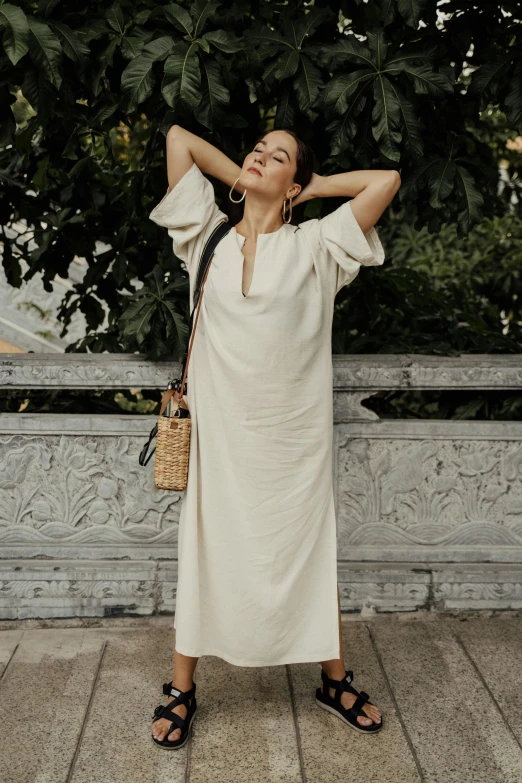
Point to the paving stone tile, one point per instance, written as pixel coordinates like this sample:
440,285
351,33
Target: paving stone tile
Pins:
245,729
8,643
334,752
43,699
116,745
496,650
453,724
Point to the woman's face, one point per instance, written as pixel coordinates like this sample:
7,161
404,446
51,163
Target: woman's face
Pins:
275,159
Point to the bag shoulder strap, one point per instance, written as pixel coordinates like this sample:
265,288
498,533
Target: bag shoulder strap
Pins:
204,264
207,254
219,232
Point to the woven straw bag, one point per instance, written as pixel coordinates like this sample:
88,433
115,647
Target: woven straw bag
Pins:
173,429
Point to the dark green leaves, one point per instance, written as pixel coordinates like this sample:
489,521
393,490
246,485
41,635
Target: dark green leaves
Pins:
89,95
383,81
180,18
182,79
192,82
137,80
441,177
45,50
501,82
289,55
411,11
152,321
15,39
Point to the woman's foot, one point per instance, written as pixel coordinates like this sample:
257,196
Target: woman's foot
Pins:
348,700
161,726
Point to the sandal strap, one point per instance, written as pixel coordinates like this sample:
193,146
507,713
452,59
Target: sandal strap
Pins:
170,690
345,685
173,717
360,701
340,685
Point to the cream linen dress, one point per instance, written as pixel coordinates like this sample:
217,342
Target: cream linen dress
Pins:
257,553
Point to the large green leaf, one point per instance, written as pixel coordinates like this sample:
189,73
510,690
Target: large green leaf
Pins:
285,112
114,16
378,46
224,41
441,180
386,118
425,80
202,10
15,40
339,91
513,102
297,30
348,50
487,80
73,46
214,95
307,84
411,135
179,17
471,200
45,50
287,64
411,11
182,79
137,80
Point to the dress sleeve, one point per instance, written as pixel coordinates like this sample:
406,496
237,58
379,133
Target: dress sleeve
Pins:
343,247
190,214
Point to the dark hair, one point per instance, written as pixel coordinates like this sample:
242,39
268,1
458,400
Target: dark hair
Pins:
302,176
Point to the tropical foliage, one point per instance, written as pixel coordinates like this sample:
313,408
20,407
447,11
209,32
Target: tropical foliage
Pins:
88,91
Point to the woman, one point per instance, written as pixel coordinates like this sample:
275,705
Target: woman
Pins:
257,555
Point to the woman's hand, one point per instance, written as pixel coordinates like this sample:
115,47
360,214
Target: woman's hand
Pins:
311,191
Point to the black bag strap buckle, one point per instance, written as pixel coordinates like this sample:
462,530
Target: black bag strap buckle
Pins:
143,452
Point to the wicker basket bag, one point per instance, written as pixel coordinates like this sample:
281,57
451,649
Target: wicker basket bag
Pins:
174,425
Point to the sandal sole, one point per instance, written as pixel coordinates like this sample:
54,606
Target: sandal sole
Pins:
182,744
351,725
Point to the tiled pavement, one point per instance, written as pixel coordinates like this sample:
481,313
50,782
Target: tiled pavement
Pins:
76,703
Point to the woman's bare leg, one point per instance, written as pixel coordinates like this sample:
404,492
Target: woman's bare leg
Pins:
335,669
184,667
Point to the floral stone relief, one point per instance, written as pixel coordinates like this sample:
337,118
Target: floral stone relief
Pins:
81,490
430,492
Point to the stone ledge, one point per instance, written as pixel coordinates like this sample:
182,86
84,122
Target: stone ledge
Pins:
398,587
61,589
350,371
89,588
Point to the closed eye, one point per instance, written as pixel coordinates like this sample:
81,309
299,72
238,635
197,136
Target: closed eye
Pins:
279,159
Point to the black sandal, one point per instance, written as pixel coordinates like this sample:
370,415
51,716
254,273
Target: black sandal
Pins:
165,711
333,703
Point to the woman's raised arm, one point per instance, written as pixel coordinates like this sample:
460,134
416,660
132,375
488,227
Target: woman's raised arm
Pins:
185,148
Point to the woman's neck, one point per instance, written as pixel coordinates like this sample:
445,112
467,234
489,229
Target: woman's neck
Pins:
259,221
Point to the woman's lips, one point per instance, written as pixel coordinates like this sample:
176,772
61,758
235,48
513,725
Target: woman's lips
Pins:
255,171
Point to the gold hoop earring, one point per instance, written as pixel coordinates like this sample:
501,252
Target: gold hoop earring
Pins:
284,210
236,201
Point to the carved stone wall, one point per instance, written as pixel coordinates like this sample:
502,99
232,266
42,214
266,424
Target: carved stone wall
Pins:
429,512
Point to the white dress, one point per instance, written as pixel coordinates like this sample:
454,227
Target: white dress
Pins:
257,552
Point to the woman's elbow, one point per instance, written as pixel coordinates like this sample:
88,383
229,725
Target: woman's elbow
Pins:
395,180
